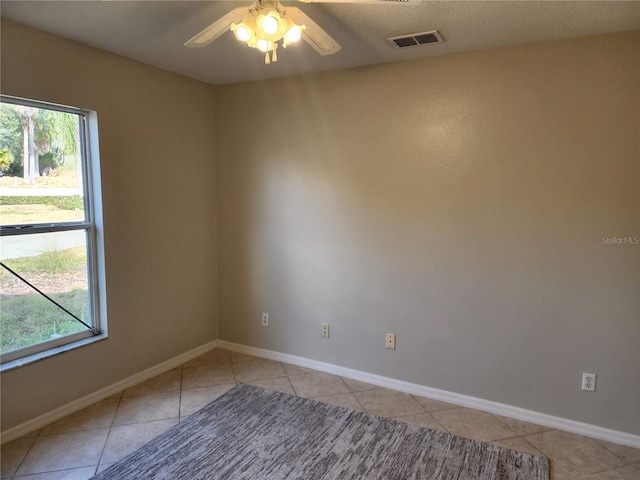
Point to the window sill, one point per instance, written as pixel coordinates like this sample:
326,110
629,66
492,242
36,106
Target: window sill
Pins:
36,357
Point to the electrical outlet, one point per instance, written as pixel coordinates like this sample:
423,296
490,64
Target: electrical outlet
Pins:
589,382
265,319
325,330
391,341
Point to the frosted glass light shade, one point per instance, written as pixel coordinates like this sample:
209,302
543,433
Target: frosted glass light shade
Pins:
269,24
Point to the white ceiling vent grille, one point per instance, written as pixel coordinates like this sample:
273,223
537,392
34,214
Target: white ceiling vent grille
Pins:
416,39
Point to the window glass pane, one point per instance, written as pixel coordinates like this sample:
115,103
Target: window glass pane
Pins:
55,263
41,179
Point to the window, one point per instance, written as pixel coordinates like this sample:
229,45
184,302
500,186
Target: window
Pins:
51,275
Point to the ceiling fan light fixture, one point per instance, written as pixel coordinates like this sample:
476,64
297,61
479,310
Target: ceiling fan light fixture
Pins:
242,32
245,30
271,25
268,24
294,33
293,25
263,27
264,45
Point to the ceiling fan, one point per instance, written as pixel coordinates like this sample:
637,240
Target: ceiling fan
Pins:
268,22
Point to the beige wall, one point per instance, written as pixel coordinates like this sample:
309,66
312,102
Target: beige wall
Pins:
158,173
459,202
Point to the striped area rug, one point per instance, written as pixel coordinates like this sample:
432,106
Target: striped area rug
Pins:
252,433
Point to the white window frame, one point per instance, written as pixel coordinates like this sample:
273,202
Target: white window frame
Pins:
92,226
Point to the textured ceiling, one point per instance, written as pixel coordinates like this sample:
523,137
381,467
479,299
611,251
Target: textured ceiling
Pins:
155,32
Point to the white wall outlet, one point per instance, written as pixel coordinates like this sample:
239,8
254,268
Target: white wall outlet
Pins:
589,382
391,341
265,319
325,330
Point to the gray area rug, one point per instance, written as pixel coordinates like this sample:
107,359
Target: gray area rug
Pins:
252,433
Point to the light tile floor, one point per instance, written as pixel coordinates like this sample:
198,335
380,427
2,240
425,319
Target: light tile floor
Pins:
78,446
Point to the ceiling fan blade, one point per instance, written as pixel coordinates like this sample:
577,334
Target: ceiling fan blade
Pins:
378,2
313,34
217,28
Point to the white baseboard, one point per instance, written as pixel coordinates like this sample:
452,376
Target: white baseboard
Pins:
586,429
77,405
550,421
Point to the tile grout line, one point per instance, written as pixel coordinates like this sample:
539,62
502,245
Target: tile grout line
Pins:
356,399
349,391
495,417
35,439
28,475
180,394
436,420
614,453
13,475
104,447
551,461
444,429
521,437
291,383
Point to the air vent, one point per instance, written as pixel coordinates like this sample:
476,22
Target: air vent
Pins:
416,39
